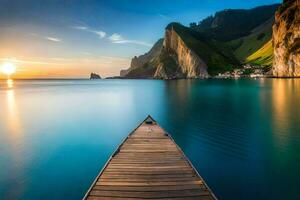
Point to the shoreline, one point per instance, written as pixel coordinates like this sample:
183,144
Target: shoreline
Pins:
123,78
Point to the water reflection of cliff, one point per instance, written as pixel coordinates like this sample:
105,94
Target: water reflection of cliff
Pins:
182,88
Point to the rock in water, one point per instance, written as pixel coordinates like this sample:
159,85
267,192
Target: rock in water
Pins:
286,40
94,76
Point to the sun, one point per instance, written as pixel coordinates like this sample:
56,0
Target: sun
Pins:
8,68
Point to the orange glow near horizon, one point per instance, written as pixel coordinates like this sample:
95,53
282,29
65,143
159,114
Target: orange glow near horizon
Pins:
61,67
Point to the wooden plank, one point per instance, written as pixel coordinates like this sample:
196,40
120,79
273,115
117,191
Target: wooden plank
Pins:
150,183
149,165
147,161
208,197
137,179
145,176
149,188
149,172
150,194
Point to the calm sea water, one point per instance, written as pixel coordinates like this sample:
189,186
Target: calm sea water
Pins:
243,136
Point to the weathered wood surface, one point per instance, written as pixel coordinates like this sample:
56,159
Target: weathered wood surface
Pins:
149,165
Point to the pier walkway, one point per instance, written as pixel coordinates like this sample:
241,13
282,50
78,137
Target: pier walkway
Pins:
148,165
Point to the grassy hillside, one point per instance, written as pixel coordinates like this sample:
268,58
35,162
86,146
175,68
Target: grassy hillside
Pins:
244,31
231,24
263,56
216,55
245,46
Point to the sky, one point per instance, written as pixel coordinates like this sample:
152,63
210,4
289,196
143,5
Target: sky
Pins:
72,38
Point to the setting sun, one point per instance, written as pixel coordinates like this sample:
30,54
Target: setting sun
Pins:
8,68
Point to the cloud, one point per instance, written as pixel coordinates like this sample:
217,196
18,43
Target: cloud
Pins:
53,39
119,39
115,38
164,16
99,33
24,61
80,27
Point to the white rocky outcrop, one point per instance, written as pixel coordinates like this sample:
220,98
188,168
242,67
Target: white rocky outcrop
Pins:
189,64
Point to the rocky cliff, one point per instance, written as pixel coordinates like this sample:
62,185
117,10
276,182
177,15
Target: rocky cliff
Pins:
183,61
286,40
143,59
184,53
140,61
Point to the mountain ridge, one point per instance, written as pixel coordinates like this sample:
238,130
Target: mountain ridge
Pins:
197,52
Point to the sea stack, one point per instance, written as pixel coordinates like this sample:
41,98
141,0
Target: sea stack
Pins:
95,76
286,40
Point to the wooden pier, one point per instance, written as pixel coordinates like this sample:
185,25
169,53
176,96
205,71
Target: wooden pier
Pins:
148,165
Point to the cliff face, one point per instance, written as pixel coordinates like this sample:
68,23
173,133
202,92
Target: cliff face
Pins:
185,53
143,59
169,58
286,40
140,61
180,61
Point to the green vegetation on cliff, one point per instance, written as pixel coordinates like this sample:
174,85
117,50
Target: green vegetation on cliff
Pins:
263,56
231,24
245,46
217,56
245,31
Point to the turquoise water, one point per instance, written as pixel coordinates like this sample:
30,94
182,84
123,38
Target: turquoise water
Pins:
243,136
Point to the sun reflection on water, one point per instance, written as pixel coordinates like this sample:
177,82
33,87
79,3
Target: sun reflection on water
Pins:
12,115
10,83
15,136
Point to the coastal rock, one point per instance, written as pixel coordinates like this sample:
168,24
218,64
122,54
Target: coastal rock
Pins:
170,58
124,72
286,40
185,53
143,59
140,61
181,59
94,76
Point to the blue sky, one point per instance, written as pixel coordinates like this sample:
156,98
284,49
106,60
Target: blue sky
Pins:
71,38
